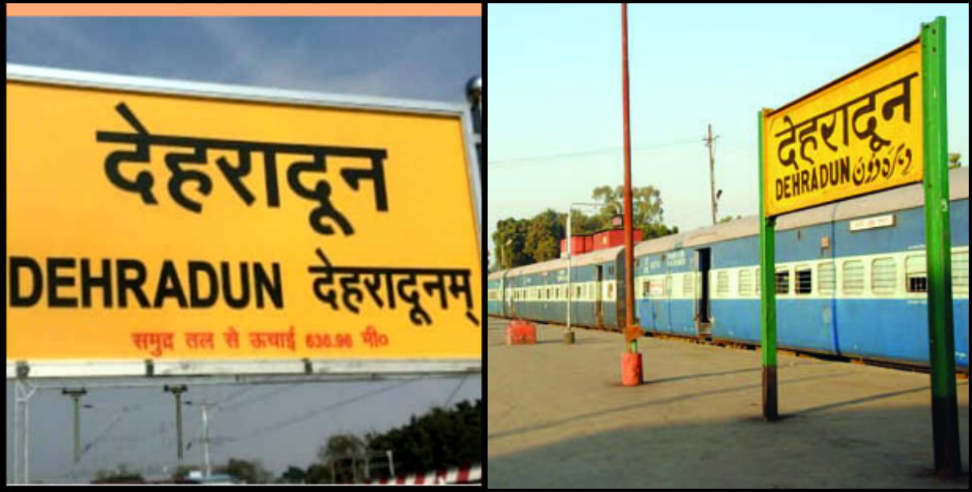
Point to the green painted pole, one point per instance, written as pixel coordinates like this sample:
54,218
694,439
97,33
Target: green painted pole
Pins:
948,462
767,292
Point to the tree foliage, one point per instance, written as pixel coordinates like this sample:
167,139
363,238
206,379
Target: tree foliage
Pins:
524,241
954,160
729,218
344,456
247,471
318,473
442,438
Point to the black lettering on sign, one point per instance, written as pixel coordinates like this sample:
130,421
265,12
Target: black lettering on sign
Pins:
55,281
130,277
169,286
16,264
194,300
88,282
135,284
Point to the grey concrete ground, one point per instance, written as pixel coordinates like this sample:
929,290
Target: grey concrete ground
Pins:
559,417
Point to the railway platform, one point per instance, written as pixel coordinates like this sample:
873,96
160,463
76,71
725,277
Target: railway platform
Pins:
558,416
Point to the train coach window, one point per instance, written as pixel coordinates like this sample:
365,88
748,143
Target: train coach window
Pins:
668,285
853,277
883,275
722,284
645,288
783,282
688,289
745,282
915,278
825,278
804,280
960,272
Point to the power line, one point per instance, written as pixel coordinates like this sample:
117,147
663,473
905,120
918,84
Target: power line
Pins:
503,162
234,395
449,400
291,421
238,405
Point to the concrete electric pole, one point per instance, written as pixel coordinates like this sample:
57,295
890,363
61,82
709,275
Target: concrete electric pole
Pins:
76,395
177,392
709,140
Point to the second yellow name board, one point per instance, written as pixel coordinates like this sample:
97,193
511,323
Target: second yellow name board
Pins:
859,135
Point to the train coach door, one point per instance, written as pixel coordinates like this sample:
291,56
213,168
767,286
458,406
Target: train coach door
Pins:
505,293
598,311
702,308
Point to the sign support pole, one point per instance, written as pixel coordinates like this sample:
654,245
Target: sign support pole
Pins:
767,285
948,461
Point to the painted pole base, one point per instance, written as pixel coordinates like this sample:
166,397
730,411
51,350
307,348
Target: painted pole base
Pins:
630,368
520,332
769,394
569,337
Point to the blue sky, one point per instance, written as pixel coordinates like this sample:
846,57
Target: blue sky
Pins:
555,115
412,58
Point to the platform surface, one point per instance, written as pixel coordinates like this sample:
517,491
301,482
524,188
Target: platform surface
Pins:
559,417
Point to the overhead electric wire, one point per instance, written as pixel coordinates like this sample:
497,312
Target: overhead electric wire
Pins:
291,421
606,150
274,391
453,394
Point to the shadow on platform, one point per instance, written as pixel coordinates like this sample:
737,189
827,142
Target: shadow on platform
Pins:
828,446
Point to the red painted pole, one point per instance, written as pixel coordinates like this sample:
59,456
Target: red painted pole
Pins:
628,233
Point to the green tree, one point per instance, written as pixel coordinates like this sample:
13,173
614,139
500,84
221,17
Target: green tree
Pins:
344,454
318,473
510,241
729,218
953,160
247,471
543,236
646,205
442,438
292,475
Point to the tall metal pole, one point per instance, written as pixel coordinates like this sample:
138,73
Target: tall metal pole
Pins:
948,460
709,141
23,390
767,285
205,423
569,336
177,392
474,92
76,394
628,233
391,463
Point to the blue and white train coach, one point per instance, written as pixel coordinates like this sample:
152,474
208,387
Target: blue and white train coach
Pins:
850,280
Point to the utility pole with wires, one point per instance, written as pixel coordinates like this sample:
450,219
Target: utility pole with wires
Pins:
709,140
177,392
76,394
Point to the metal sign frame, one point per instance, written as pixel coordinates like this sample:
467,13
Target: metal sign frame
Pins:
339,368
945,426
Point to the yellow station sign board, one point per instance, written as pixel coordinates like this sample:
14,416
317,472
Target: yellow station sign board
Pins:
143,225
858,135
